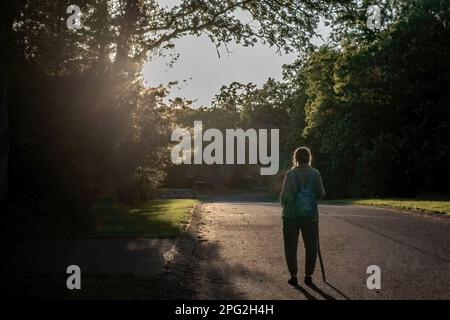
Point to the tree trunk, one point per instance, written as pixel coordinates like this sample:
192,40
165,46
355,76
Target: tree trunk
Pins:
4,123
127,28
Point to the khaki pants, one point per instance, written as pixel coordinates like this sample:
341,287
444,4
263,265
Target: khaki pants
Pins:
309,231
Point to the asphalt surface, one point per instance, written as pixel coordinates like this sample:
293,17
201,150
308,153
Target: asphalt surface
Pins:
233,249
240,253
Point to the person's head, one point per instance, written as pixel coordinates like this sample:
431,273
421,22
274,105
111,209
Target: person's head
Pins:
302,156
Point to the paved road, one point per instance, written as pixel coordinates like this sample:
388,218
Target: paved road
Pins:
240,253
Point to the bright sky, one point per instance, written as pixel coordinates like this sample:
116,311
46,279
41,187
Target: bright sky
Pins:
207,73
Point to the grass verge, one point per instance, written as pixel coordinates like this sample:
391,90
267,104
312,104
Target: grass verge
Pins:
429,206
153,219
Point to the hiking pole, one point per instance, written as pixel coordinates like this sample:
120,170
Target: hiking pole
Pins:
320,256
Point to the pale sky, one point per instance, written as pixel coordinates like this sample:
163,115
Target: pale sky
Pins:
199,61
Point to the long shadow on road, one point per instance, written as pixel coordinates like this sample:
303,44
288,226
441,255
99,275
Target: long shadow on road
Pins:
215,276
337,290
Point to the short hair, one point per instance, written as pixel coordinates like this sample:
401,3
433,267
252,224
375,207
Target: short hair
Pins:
301,155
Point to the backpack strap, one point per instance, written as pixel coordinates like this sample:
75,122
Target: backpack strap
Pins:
301,183
310,183
290,182
308,187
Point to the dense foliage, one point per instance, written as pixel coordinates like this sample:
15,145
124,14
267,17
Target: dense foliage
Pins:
77,120
76,117
372,105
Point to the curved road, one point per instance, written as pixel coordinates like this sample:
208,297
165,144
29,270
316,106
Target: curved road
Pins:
240,253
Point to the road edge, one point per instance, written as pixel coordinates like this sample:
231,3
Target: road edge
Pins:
174,278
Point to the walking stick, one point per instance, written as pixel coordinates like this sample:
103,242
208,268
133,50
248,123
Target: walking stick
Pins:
320,256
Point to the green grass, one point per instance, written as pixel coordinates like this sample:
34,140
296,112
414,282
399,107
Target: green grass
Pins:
429,206
153,219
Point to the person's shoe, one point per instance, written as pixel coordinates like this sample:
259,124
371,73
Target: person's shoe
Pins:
293,281
308,280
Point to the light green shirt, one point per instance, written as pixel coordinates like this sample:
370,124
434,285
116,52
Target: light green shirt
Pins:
302,175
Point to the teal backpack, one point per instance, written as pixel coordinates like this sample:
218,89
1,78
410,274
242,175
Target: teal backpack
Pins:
305,202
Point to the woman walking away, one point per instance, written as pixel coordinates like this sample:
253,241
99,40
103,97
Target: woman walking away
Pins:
302,186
